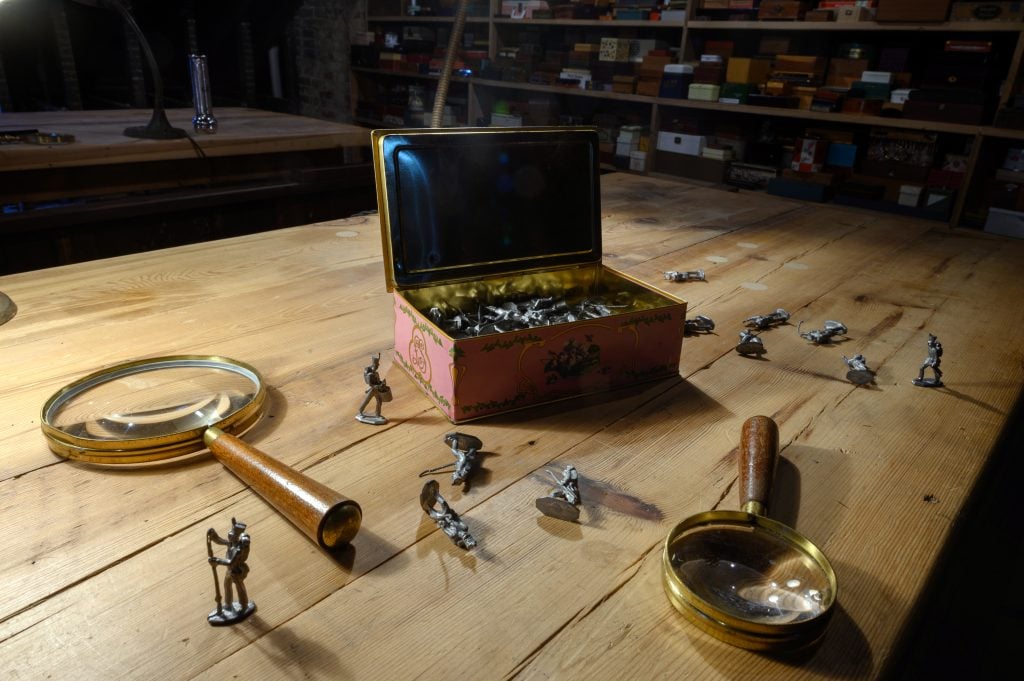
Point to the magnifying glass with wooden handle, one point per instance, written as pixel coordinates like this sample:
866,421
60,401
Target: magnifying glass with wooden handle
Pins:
167,407
742,577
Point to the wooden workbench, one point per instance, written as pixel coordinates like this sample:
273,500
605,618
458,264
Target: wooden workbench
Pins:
107,194
100,140
104,574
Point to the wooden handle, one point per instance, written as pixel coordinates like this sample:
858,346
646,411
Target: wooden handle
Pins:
759,450
323,515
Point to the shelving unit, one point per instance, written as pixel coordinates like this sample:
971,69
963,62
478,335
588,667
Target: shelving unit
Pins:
480,93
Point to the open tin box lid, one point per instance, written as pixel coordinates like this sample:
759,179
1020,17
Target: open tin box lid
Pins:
467,203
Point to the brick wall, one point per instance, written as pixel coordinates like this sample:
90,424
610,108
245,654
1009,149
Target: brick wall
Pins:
318,40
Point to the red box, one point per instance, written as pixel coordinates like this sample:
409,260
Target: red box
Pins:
479,217
809,154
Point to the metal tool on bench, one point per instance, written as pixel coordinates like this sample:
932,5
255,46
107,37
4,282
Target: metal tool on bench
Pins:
166,407
745,578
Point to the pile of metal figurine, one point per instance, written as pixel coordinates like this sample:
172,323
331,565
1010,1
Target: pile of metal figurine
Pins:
516,316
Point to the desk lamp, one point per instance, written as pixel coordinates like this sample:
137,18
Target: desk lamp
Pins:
158,128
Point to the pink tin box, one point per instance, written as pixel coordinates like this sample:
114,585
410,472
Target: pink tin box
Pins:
491,219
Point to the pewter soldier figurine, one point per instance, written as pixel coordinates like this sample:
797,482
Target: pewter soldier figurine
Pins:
464,448
564,501
750,344
234,578
933,360
765,321
825,335
859,372
445,516
698,324
376,389
692,275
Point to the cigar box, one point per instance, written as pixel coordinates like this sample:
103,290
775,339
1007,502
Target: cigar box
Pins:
912,10
987,11
478,218
782,9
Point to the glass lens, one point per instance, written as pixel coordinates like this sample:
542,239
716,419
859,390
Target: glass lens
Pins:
751,574
153,400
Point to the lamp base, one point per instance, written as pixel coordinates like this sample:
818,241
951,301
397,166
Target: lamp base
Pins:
158,128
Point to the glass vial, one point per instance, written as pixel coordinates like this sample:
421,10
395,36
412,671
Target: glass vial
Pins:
203,120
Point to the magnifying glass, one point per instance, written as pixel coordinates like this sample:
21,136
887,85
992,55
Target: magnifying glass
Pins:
167,407
746,579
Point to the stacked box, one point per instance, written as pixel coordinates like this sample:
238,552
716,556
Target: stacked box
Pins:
705,92
748,70
614,50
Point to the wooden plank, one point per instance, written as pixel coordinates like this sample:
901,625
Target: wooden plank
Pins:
99,137
118,556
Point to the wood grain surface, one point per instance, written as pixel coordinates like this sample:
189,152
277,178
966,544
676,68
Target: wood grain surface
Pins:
103,572
100,140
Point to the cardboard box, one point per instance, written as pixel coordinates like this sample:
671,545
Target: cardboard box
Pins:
853,14
638,161
912,10
434,188
704,92
987,11
809,154
746,70
681,143
614,49
691,167
1005,222
775,10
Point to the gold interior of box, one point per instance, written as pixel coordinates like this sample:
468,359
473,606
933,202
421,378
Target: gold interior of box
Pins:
573,284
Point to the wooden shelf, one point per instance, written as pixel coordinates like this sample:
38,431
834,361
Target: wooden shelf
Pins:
560,90
679,34
857,26
748,109
425,20
589,22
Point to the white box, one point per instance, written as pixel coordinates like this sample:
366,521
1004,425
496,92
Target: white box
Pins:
630,133
626,148
910,195
680,143
899,95
638,160
500,120
1005,222
877,77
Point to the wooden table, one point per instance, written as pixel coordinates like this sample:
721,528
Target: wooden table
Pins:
72,196
100,139
103,574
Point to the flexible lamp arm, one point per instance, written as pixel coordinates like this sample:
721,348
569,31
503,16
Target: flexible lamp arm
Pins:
158,127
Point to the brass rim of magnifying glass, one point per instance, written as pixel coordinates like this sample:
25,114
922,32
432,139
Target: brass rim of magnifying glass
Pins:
737,631
156,448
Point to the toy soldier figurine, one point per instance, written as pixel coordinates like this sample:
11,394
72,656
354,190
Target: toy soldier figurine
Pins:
445,517
464,448
234,578
750,344
823,336
933,360
699,324
692,275
765,321
376,389
859,372
564,501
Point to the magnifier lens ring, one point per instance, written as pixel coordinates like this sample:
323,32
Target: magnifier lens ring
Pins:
685,598
157,447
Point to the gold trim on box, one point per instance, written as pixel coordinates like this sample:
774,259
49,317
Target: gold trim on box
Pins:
376,142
